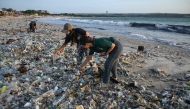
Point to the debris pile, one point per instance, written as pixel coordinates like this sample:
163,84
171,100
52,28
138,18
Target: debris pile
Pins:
32,77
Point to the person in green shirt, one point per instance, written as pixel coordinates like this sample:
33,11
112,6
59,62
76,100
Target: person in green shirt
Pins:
106,46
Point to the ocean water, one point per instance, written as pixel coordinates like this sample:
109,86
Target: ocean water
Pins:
174,31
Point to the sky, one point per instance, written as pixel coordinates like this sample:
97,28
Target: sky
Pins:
100,6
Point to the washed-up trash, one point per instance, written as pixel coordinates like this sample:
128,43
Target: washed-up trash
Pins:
53,59
27,104
187,100
133,84
160,70
140,48
187,87
165,93
1,77
188,83
85,84
145,55
156,71
60,90
10,41
56,102
22,69
7,75
79,107
3,89
42,83
100,71
164,101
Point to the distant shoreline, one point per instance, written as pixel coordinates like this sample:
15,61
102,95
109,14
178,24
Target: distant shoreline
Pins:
124,14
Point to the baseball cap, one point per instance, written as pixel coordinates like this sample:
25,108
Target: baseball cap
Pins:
67,27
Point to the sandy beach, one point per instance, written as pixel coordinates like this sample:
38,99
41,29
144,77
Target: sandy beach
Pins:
165,70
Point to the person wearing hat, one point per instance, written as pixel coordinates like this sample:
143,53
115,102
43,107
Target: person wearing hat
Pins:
106,46
73,35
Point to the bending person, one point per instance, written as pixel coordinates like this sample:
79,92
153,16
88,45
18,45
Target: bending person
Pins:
32,26
72,35
105,46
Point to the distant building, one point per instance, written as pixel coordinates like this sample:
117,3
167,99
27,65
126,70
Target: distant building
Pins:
106,12
43,11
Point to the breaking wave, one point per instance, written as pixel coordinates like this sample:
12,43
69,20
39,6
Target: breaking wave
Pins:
165,33
164,27
170,28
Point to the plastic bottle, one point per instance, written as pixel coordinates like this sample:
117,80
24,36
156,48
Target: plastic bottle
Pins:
56,102
187,87
54,59
3,89
79,107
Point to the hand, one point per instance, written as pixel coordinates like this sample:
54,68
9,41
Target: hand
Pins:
80,68
57,52
103,54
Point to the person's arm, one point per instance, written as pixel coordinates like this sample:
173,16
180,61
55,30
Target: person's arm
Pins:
35,25
109,50
88,58
60,49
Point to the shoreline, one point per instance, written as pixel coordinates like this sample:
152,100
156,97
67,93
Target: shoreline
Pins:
165,65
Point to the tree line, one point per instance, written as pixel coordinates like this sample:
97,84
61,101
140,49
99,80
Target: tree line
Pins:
31,12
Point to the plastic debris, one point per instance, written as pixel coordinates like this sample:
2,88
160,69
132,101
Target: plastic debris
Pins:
32,77
3,89
80,107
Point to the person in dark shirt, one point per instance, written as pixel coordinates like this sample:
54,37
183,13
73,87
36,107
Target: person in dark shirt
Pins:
73,35
33,26
106,46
